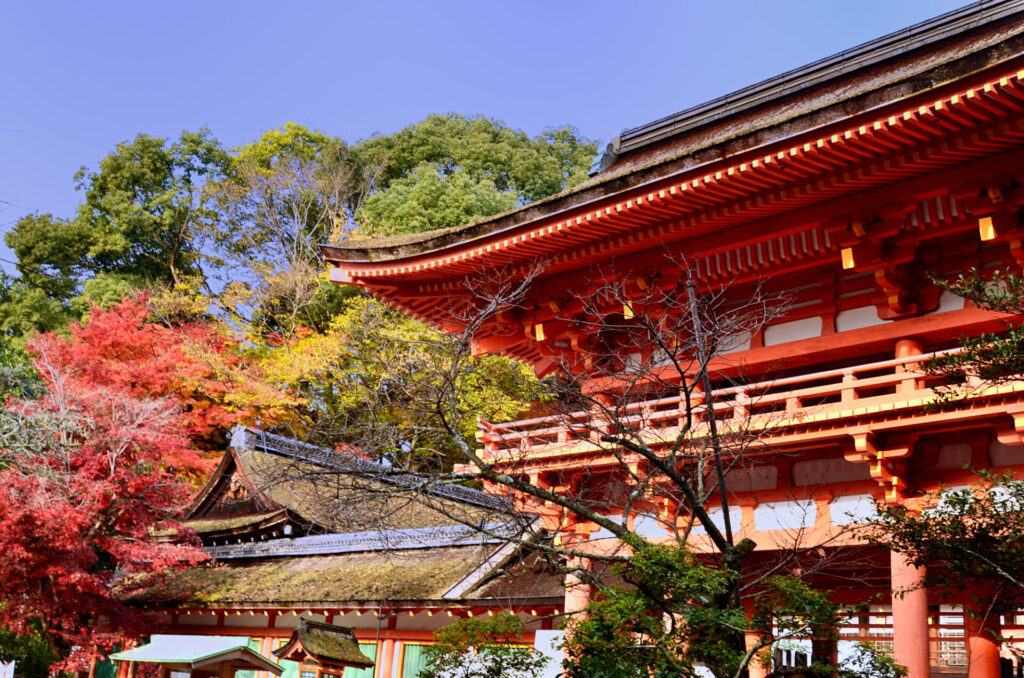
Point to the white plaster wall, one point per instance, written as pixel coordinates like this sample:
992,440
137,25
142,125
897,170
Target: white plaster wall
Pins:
830,471
605,533
421,621
857,318
246,620
794,330
718,519
367,620
1005,455
945,496
286,621
949,302
645,526
752,479
785,515
735,343
549,644
953,456
650,527
851,509
198,619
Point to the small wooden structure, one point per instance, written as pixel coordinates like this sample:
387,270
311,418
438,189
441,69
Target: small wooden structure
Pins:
198,656
329,645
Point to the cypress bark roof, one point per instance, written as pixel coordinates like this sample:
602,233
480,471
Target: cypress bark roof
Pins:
854,82
232,523
328,644
264,479
375,534
314,581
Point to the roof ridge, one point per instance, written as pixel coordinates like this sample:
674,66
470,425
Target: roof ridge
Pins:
896,43
370,540
330,628
247,437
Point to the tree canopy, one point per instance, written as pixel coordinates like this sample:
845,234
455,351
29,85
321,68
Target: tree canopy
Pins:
139,225
451,169
185,296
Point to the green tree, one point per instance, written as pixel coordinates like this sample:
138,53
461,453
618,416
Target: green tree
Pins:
449,170
52,260
371,376
32,654
670,613
141,225
425,200
18,377
969,539
145,206
285,193
483,647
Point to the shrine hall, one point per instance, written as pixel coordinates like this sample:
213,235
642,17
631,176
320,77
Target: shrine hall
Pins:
845,188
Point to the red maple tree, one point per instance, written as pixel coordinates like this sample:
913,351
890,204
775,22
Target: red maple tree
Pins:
101,463
198,364
83,486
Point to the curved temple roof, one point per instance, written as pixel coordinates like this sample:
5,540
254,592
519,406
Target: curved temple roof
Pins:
844,111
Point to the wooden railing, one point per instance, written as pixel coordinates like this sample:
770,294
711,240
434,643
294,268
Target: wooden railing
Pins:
839,393
946,641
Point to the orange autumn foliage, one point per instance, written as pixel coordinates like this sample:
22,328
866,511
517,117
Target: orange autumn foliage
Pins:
197,364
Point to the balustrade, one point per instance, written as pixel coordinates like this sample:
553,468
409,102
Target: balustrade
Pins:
826,397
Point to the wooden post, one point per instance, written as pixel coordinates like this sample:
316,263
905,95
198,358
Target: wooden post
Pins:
904,349
386,669
909,617
577,592
981,633
755,669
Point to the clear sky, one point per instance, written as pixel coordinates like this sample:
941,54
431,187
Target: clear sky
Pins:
78,77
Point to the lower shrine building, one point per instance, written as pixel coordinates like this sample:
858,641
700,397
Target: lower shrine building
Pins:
325,565
842,187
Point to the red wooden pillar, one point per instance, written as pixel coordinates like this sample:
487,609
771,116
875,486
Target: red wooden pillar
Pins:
981,632
909,617
904,349
577,592
909,597
755,669
386,668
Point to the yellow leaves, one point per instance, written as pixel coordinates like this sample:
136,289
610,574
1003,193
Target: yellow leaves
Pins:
183,301
307,356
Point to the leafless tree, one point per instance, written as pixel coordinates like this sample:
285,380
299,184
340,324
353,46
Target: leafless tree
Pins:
272,214
639,424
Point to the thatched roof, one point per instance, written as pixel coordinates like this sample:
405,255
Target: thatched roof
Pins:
315,581
262,476
328,644
233,523
290,525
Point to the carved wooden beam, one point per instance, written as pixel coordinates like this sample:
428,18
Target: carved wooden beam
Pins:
886,459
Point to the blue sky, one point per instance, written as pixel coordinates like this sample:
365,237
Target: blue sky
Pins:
78,77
